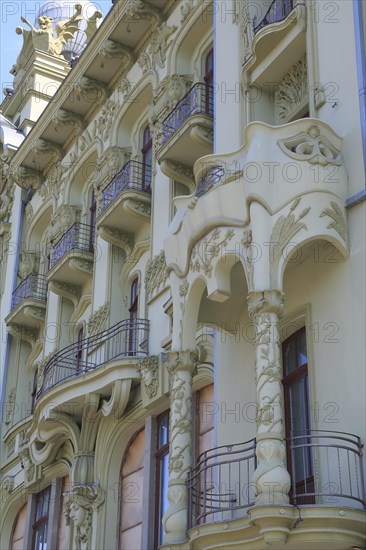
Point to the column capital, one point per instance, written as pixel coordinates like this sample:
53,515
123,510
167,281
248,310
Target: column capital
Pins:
266,301
183,360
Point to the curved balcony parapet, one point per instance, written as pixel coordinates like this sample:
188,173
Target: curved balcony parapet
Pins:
126,339
216,483
326,468
134,176
286,171
79,238
33,287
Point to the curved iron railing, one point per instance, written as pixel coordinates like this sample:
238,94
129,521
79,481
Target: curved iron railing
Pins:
122,340
134,175
277,11
220,487
210,179
33,287
79,236
326,468
199,100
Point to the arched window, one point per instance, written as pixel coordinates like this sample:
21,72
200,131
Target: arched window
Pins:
146,158
132,477
297,414
17,539
209,79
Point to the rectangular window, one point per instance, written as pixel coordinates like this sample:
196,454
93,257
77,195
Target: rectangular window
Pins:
40,525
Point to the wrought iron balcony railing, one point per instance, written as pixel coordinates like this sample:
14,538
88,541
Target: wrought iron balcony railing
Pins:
277,11
210,179
134,175
198,101
220,484
80,237
326,468
33,287
122,340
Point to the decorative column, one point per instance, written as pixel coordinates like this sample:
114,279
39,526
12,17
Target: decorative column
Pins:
271,478
182,366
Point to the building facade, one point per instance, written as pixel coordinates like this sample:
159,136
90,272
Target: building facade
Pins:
182,226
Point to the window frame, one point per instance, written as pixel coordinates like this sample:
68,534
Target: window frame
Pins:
160,453
43,520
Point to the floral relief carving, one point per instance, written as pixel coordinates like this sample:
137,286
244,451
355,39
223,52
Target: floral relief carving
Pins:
284,230
156,274
98,320
27,464
248,259
312,147
206,250
339,221
106,118
10,406
7,195
10,447
149,369
292,90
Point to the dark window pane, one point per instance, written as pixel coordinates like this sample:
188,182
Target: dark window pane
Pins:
164,478
301,347
163,431
290,362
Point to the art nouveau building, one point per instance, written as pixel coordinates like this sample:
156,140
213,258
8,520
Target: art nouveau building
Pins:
182,293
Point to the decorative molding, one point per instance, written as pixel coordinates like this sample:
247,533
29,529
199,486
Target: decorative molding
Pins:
114,50
71,292
10,406
26,178
339,220
118,238
118,401
160,45
144,62
207,249
23,333
177,171
7,195
155,274
292,90
284,230
148,368
86,85
185,10
68,118
248,259
139,207
45,147
312,147
125,87
80,264
106,118
98,320
27,264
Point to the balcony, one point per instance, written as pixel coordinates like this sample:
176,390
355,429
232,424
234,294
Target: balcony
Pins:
328,467
215,484
28,303
277,11
127,339
326,470
187,132
126,200
72,256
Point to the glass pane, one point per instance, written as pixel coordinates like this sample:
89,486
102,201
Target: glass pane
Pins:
163,504
290,362
299,414
163,438
301,347
131,538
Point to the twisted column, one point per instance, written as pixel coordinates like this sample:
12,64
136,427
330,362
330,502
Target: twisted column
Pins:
182,366
271,478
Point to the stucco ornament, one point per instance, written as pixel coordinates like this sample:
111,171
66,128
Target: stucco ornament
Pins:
27,464
160,45
83,501
271,478
312,147
105,120
43,39
181,365
98,320
339,221
209,248
7,195
292,90
148,369
156,274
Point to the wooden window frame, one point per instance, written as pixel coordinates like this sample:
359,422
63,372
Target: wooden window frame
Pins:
43,520
147,143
